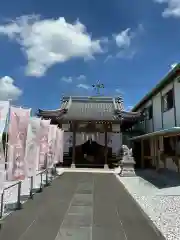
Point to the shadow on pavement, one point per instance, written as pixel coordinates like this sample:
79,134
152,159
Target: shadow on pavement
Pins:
164,178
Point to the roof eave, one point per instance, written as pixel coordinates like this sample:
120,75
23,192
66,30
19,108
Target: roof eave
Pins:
54,114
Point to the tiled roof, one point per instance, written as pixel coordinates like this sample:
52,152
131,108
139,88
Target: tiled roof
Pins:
89,111
90,108
93,108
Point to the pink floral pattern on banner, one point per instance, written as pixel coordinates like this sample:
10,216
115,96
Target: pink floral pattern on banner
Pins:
18,125
44,130
32,146
59,146
51,144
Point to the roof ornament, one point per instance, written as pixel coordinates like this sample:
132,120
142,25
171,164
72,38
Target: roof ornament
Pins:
97,87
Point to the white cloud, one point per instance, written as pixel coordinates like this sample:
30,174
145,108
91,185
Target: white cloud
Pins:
172,9
126,54
50,41
123,39
125,43
109,57
119,91
81,78
66,79
85,86
8,90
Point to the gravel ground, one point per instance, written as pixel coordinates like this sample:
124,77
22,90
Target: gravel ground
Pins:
161,204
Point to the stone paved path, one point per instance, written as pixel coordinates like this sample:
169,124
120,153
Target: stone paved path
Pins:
80,206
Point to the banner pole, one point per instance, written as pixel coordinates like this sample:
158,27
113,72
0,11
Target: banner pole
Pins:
7,130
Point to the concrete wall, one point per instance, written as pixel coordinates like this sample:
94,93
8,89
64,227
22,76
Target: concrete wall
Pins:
157,112
177,102
168,119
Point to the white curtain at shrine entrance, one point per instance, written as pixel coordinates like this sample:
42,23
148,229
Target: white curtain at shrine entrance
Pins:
68,140
100,138
109,140
114,140
80,138
83,137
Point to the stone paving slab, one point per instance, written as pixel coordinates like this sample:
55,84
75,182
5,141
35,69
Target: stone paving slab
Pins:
80,206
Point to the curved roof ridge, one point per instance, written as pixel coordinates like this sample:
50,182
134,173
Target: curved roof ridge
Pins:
50,111
68,103
115,104
88,98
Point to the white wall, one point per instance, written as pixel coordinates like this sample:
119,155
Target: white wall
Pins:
148,122
163,120
177,101
157,112
168,116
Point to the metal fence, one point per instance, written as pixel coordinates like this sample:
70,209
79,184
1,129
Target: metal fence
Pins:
50,174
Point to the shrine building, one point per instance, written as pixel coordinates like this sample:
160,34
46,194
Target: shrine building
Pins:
94,128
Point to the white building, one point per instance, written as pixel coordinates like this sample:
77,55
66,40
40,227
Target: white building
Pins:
162,104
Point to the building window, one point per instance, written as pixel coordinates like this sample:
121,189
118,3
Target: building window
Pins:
150,112
168,101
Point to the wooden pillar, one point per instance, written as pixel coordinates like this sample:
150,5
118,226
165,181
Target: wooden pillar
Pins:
177,157
157,152
153,152
106,147
142,153
163,156
74,145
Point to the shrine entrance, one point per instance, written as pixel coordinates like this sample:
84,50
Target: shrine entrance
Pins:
90,154
90,146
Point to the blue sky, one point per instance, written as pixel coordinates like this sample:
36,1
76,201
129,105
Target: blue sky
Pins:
55,48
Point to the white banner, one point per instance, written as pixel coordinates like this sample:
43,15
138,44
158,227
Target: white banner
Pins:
18,126
4,109
32,146
59,146
51,145
44,129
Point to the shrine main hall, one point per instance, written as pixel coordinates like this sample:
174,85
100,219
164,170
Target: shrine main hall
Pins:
95,127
